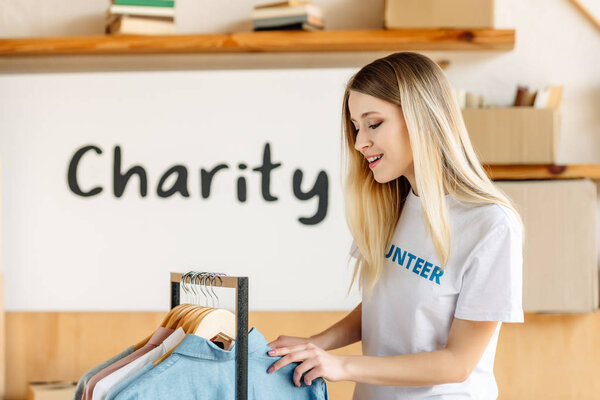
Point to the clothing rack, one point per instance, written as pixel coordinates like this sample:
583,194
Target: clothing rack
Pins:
240,284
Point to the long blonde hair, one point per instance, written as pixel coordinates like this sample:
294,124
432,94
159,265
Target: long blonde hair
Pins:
444,160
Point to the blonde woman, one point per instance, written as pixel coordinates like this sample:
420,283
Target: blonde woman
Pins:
438,246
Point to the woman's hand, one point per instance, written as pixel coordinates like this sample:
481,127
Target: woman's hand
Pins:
287,341
315,361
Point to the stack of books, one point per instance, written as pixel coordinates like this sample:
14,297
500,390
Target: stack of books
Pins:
547,97
141,17
288,15
467,99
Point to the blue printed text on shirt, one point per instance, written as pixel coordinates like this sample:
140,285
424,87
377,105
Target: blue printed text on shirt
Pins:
421,267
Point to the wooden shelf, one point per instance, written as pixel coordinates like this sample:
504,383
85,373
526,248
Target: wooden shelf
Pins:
543,171
265,41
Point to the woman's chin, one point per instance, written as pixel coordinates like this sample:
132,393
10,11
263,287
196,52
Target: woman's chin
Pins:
381,178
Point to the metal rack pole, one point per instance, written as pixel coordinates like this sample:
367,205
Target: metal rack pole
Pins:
240,284
241,376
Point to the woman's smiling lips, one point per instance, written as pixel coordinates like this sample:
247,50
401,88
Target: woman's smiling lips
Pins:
374,163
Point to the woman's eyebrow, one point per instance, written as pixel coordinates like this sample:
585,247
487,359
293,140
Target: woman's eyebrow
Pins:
365,114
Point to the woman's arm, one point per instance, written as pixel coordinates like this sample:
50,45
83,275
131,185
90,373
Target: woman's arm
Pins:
343,333
467,342
418,369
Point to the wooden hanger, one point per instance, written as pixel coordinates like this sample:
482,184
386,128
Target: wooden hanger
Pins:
218,325
173,322
185,324
221,336
190,327
209,324
192,317
173,315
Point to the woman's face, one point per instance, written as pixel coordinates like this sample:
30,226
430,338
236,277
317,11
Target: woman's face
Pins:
381,132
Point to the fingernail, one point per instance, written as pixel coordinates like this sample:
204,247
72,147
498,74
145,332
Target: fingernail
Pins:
271,352
270,370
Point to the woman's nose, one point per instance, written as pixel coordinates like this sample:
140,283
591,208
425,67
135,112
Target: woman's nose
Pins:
361,141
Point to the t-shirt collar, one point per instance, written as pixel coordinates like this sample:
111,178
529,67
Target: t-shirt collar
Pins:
414,201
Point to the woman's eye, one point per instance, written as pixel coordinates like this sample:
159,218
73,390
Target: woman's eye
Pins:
370,126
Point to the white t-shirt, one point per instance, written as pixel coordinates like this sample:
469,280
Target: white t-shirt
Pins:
414,302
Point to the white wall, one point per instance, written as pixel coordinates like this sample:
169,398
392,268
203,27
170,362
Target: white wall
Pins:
65,251
62,252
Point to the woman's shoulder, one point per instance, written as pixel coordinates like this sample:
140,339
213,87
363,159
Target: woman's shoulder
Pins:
503,217
487,217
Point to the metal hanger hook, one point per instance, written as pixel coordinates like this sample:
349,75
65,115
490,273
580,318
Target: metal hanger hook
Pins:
203,276
216,276
195,276
184,286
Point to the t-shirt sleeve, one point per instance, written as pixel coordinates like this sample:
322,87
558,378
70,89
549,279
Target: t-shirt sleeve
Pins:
492,283
354,250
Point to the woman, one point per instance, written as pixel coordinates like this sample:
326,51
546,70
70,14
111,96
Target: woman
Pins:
438,247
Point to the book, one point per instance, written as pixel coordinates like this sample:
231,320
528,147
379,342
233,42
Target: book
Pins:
141,10
300,26
125,24
273,12
555,97
267,22
461,97
151,3
523,97
541,99
112,17
289,3
473,100
529,98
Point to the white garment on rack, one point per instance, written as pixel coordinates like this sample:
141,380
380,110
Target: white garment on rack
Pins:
107,383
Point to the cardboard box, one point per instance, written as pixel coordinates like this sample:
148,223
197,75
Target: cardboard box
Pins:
438,14
560,264
55,390
514,135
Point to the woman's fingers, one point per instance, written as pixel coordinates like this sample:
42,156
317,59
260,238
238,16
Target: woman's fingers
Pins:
296,356
277,342
301,369
313,374
282,351
314,363
284,341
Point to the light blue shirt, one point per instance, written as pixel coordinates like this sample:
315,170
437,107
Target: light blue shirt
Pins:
199,369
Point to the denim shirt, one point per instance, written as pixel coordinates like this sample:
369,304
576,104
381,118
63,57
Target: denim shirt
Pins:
199,369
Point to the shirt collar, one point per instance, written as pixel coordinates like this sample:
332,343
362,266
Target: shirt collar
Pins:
199,347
